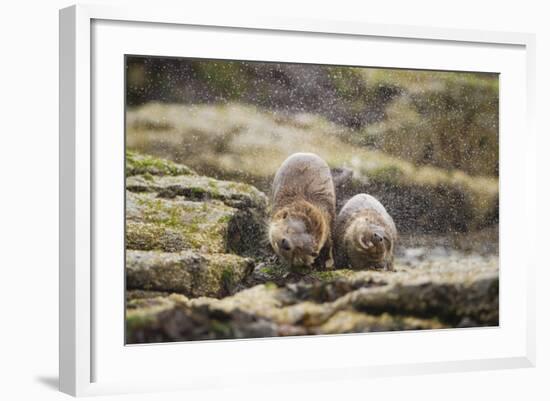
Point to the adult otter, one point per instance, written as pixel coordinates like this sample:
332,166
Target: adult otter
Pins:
365,234
303,208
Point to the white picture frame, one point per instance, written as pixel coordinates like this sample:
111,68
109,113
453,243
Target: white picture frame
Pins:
83,349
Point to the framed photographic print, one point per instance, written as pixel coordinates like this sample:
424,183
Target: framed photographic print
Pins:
351,195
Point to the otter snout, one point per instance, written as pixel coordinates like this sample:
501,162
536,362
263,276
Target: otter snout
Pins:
284,244
376,238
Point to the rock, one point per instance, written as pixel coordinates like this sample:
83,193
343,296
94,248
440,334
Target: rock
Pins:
132,295
171,319
173,225
450,300
174,213
187,233
426,297
189,273
147,165
199,188
356,322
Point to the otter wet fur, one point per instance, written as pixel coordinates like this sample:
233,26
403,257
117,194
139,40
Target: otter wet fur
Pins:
303,210
365,234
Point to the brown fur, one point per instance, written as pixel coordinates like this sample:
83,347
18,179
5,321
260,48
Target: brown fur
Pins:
303,210
356,225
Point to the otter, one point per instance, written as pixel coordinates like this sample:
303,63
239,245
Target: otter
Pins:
365,234
303,210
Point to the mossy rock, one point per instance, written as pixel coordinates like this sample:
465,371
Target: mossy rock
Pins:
189,273
430,296
174,225
134,297
347,321
199,188
172,319
174,213
139,164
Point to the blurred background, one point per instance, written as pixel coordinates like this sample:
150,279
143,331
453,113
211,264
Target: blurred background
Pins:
424,142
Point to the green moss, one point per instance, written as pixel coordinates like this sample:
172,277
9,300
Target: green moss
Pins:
147,176
333,274
149,166
220,328
159,223
270,286
389,174
136,321
228,279
224,219
197,192
143,313
267,270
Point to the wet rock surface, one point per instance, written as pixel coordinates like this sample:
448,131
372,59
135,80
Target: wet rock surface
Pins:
198,267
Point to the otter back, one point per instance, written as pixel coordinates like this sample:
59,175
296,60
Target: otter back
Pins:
361,206
364,203
304,176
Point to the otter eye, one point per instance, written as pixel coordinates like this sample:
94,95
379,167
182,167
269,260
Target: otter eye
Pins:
314,254
285,215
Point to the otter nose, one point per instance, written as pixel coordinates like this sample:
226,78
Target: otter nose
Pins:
376,238
284,244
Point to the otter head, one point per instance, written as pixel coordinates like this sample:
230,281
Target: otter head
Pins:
369,241
297,234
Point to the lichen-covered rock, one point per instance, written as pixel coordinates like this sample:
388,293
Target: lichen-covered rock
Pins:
171,319
176,224
187,233
139,164
189,273
132,295
199,188
428,296
174,213
348,321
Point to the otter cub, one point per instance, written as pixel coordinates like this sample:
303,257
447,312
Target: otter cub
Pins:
303,208
365,233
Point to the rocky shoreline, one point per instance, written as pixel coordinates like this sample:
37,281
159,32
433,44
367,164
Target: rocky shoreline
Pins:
198,267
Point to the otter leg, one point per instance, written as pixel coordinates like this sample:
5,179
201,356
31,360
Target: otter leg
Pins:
329,256
329,264
325,259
